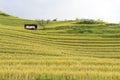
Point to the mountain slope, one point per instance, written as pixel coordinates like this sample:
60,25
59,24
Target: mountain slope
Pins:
6,19
53,54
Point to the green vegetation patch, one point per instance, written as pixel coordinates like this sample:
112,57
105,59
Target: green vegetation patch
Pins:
90,29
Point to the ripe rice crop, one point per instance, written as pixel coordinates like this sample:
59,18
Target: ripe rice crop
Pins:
42,55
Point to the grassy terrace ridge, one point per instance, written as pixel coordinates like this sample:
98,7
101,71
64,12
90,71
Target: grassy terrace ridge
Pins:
66,50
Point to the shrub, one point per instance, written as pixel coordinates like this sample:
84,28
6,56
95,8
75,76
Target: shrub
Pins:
89,21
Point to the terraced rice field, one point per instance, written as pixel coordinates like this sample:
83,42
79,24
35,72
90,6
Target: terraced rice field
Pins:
47,55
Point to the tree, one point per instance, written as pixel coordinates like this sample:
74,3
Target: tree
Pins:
55,19
43,23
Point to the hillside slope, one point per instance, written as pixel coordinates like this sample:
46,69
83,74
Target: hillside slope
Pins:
55,54
6,19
